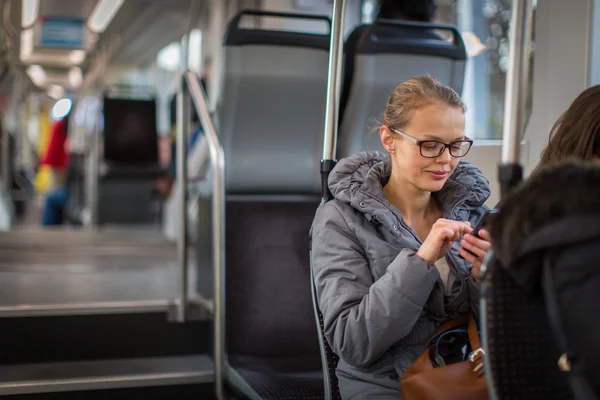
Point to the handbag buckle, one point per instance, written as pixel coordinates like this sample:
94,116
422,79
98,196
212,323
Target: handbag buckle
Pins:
476,357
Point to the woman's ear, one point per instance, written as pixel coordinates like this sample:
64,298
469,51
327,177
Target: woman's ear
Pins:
387,139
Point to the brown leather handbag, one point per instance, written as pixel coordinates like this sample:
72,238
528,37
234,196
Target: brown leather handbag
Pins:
442,374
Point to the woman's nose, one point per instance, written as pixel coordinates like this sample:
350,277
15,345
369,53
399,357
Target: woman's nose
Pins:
445,157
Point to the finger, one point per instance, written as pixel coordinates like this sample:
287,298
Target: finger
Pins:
456,232
478,242
485,235
474,260
478,251
463,226
447,233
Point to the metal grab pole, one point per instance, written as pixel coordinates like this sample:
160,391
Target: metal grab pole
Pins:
5,142
510,171
217,160
183,120
333,94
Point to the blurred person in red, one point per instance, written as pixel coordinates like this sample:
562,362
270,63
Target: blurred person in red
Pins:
57,158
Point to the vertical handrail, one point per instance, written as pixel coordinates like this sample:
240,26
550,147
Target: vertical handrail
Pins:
333,94
5,142
217,162
92,174
510,171
183,122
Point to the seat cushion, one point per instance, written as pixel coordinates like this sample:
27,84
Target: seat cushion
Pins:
269,307
277,379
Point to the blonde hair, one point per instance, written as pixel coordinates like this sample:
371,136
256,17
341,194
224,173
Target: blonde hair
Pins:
414,93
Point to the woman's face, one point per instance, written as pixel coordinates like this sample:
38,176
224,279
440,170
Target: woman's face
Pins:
435,121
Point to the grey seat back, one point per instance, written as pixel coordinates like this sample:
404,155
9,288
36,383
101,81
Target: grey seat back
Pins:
388,53
272,109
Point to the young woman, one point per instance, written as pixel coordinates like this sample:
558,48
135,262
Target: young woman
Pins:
391,253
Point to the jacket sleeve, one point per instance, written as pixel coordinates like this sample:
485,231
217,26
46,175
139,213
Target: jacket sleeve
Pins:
363,318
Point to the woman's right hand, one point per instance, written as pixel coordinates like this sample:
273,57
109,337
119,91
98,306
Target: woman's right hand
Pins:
443,234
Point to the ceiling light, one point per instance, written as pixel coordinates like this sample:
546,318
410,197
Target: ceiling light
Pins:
61,109
75,77
103,13
168,57
29,12
55,91
77,56
37,75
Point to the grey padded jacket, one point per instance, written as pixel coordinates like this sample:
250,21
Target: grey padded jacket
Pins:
379,300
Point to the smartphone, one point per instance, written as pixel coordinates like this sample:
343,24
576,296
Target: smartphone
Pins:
483,221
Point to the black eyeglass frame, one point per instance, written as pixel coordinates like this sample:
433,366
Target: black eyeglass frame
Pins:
445,146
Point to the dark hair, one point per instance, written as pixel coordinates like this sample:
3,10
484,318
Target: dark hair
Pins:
576,134
412,10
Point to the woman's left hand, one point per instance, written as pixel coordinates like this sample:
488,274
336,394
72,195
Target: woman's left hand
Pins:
473,249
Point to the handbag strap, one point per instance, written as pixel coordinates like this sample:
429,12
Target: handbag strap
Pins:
461,320
473,335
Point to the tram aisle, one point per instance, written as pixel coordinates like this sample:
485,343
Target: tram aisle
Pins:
85,315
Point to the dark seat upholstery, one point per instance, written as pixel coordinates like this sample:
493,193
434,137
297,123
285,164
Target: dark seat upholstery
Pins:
269,322
279,383
521,351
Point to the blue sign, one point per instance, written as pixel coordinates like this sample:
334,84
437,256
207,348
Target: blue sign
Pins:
66,33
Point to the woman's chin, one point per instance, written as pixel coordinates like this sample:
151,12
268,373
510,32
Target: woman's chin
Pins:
431,185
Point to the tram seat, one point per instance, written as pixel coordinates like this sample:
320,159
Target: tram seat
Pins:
387,53
130,164
270,118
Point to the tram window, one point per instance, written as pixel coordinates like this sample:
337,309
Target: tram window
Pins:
485,77
483,23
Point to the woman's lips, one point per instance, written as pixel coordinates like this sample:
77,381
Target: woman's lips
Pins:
438,174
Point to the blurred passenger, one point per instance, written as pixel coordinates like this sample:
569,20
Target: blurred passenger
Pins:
164,185
389,263
57,158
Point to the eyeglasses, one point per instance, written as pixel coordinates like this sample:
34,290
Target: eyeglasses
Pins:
434,148
449,347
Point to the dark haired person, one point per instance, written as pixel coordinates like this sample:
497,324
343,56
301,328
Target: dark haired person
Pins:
576,134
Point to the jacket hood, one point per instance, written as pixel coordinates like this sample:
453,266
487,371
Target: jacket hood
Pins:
362,176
